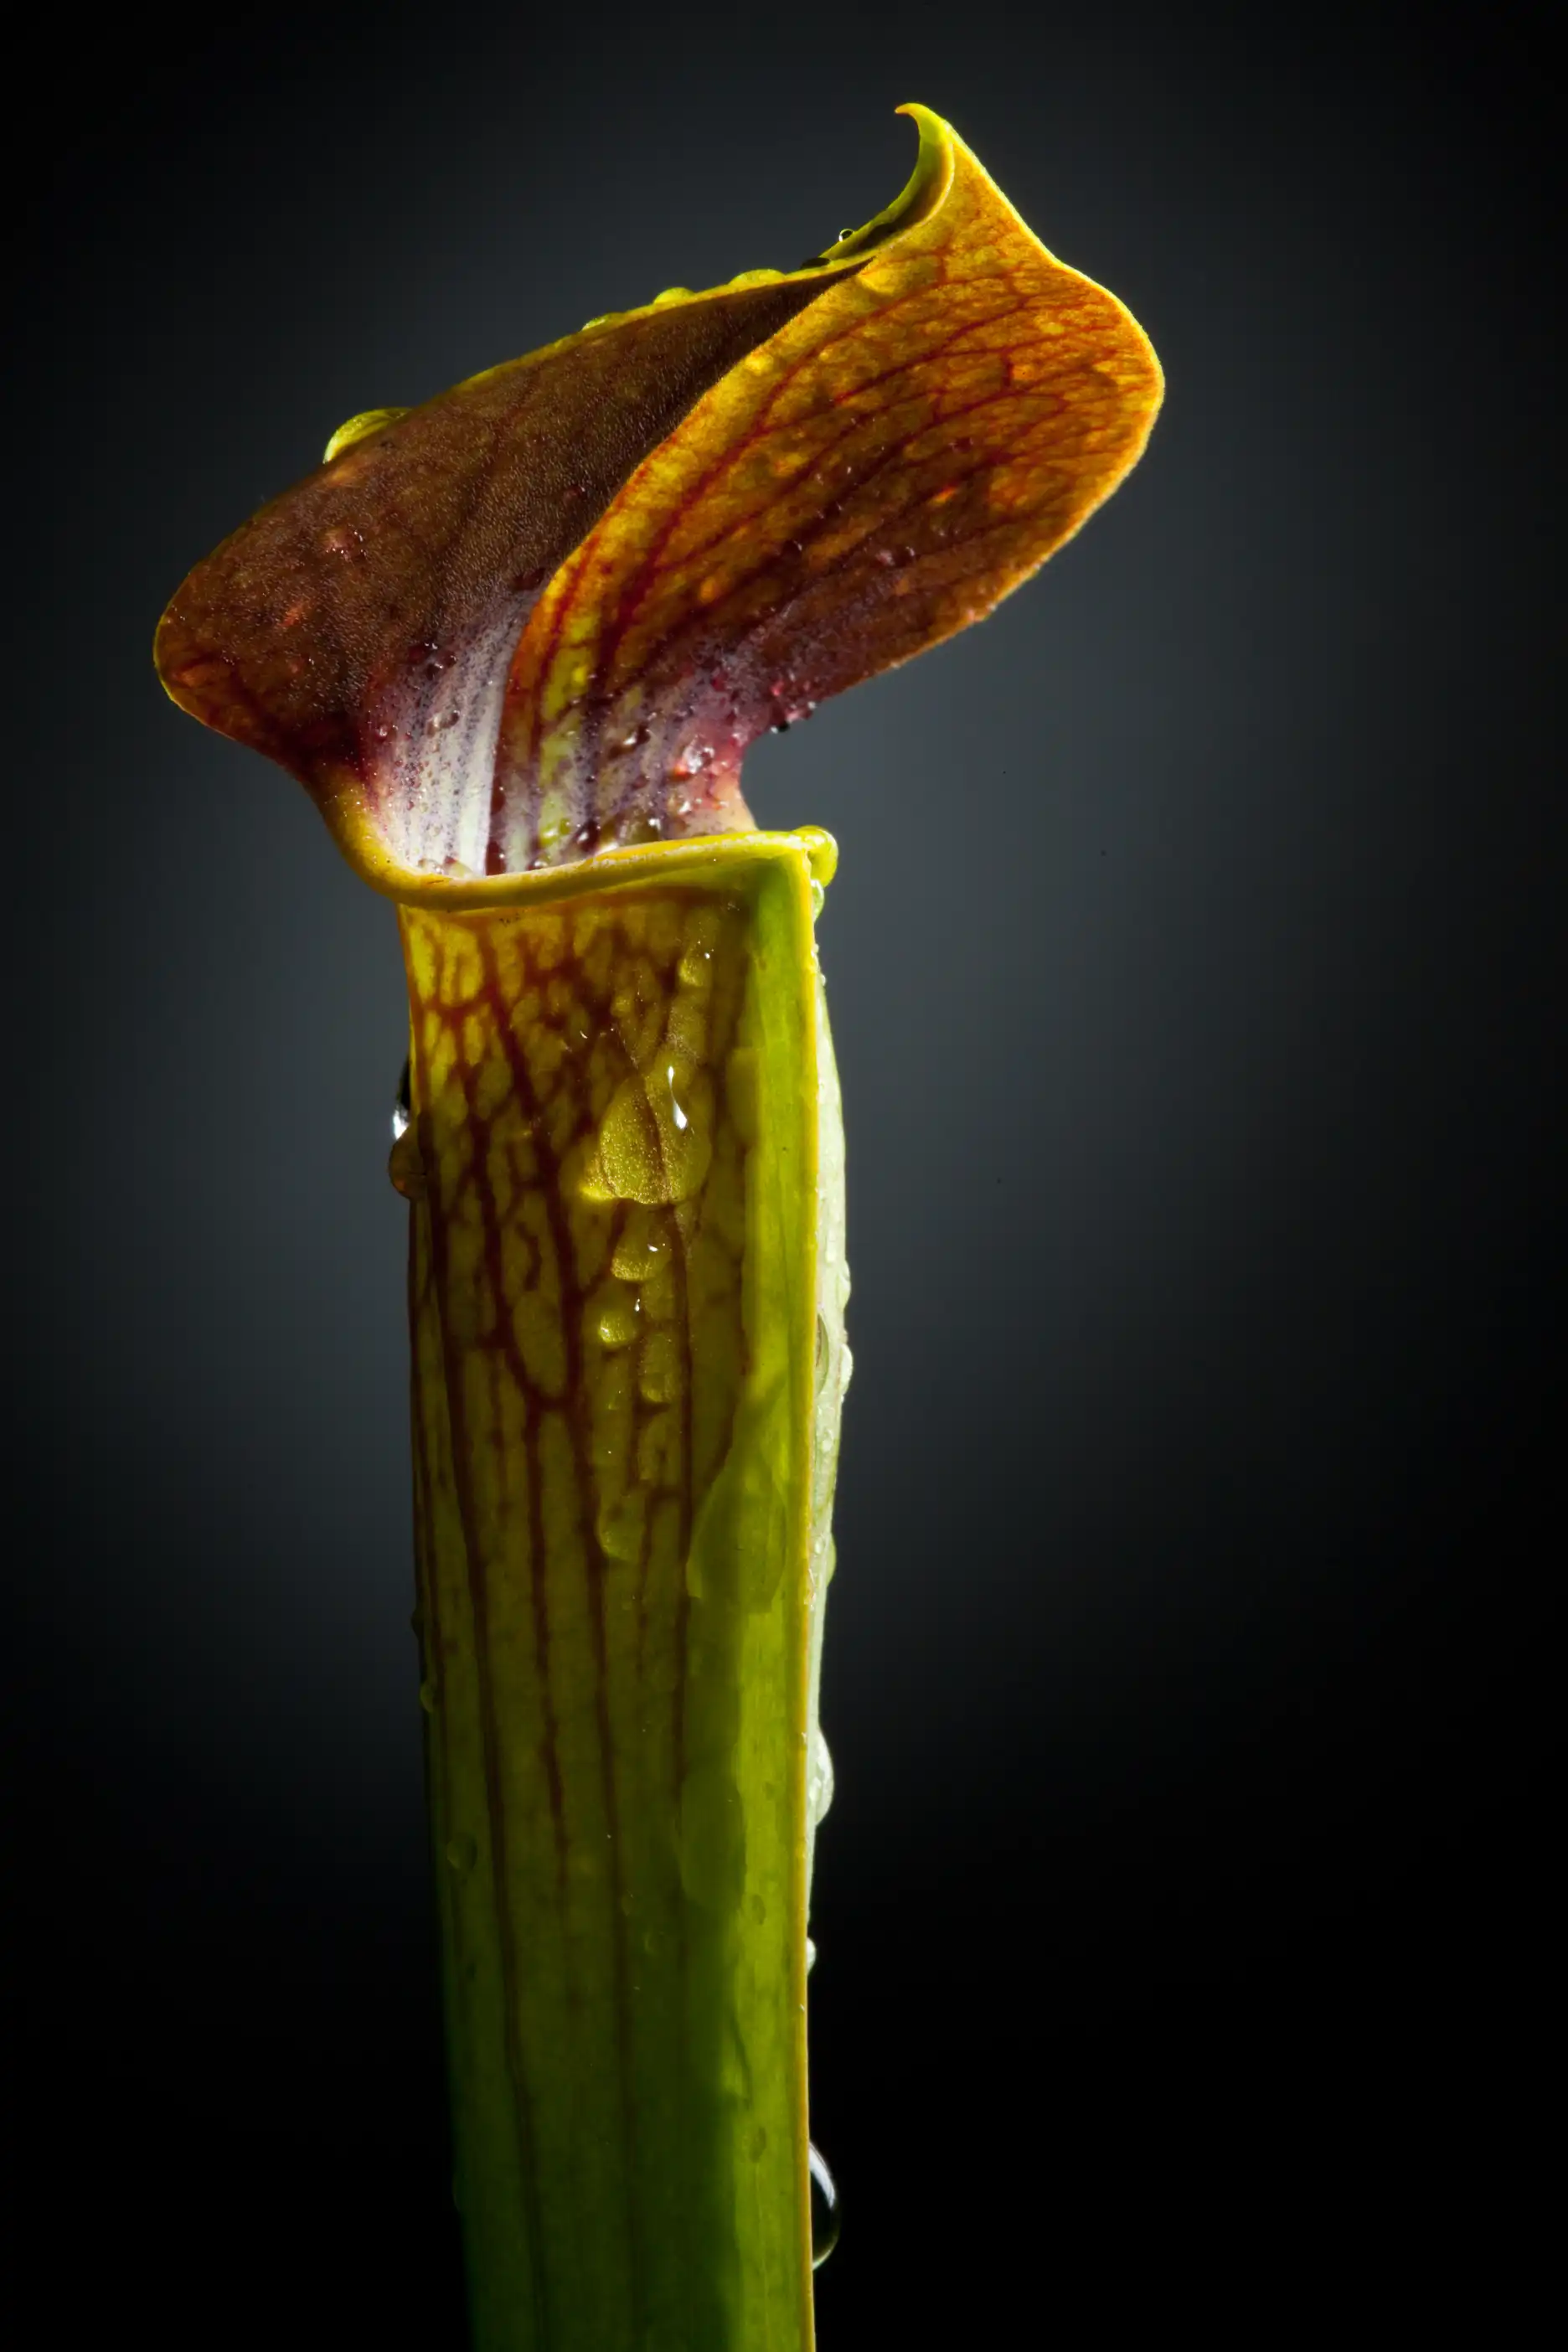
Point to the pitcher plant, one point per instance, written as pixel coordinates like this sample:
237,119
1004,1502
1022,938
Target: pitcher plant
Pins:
515,643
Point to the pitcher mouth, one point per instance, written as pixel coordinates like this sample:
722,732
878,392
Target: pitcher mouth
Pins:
692,859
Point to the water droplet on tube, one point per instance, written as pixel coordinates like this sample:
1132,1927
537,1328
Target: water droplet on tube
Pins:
825,2214
404,1169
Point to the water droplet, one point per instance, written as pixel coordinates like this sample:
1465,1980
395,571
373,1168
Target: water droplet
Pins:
818,899
672,294
642,1250
825,2217
403,1108
655,1142
359,428
690,760
461,1855
615,1312
622,1526
404,1169
819,1779
428,1698
810,1956
658,1372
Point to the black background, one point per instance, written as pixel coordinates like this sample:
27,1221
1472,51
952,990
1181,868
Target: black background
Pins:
1191,1678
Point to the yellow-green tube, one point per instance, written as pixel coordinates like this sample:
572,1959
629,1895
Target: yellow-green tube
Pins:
624,1166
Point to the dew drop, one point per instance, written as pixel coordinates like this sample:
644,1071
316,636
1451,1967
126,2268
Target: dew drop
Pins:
615,1311
461,1855
825,2217
654,1144
428,1698
404,1169
620,1527
403,1108
819,1781
359,428
642,1251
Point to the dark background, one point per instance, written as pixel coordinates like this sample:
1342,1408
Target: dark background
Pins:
1191,1674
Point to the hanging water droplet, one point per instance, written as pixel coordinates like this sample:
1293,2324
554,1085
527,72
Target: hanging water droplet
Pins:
819,1781
404,1169
461,1855
428,1698
825,2217
810,1956
403,1108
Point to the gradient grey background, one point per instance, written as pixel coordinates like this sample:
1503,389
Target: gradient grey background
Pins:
1190,1674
